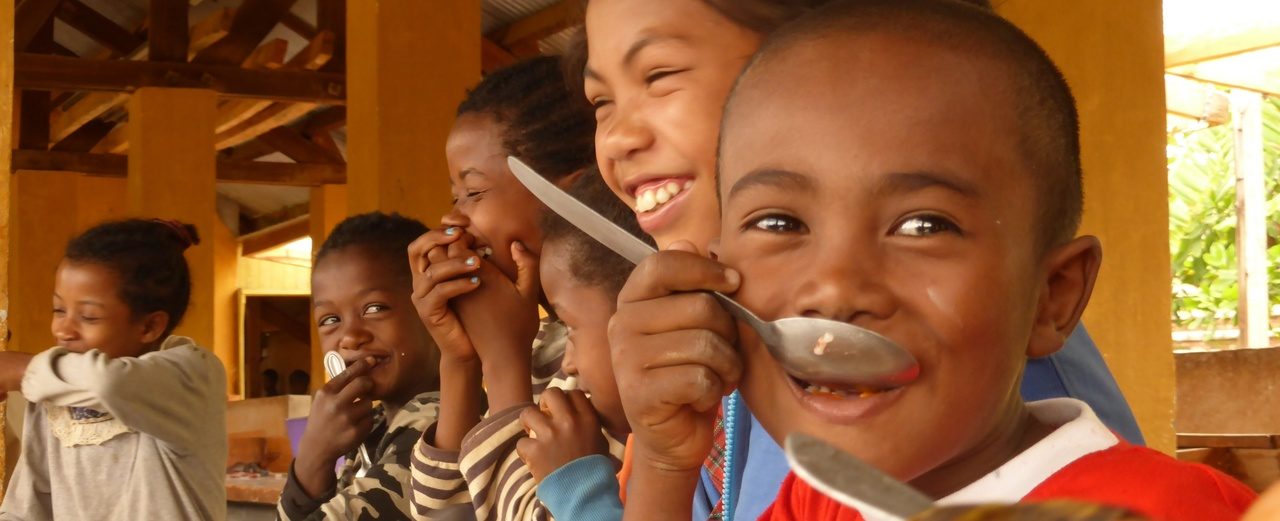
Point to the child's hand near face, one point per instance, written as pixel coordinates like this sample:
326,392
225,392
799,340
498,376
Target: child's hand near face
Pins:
341,418
674,356
562,428
443,266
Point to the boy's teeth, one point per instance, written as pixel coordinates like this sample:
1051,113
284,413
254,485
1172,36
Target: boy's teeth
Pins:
486,251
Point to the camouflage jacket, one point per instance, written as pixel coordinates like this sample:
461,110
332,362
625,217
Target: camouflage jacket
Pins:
382,491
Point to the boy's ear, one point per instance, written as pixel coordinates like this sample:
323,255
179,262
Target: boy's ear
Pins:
153,326
1070,272
565,182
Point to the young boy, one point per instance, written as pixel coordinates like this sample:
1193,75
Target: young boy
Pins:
360,291
911,167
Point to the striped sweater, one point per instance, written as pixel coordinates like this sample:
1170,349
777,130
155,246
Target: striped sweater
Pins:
487,480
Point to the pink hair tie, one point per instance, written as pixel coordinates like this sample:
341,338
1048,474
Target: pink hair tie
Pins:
180,230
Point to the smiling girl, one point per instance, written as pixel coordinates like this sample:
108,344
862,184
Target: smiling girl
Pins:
119,394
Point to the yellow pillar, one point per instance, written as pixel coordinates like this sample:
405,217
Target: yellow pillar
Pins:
1113,56
328,208
43,218
100,199
6,138
173,175
409,66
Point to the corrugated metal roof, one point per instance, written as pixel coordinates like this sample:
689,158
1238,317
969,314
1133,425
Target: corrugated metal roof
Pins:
497,13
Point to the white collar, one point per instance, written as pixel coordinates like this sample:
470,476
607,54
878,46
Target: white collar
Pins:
1080,433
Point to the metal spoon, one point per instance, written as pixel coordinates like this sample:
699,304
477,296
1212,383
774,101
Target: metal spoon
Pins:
820,351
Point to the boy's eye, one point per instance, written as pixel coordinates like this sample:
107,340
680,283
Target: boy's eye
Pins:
658,74
85,318
327,320
777,224
375,308
925,225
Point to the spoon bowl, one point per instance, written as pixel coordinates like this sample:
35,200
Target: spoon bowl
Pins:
820,351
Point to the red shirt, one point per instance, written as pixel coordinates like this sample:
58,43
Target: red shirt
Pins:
1127,476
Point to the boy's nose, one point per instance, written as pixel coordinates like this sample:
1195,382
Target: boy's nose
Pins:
569,363
354,337
846,290
625,135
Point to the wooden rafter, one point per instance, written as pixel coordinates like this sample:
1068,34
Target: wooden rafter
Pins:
293,144
65,120
317,126
522,36
331,15
269,56
85,137
249,172
494,56
168,37
296,24
276,235
29,19
253,21
98,27
42,72
34,106
1260,34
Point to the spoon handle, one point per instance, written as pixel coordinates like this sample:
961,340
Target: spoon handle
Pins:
764,329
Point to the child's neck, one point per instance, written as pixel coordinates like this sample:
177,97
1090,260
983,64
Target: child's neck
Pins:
1017,431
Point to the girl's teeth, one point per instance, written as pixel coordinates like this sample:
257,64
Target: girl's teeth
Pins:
486,251
654,197
661,195
687,185
672,188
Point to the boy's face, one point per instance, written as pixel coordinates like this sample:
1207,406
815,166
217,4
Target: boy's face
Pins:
585,311
877,181
362,309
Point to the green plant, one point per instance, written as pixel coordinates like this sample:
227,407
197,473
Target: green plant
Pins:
1202,222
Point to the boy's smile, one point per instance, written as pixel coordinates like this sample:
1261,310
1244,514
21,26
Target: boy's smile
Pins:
878,180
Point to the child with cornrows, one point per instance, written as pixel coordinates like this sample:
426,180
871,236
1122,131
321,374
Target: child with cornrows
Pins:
126,421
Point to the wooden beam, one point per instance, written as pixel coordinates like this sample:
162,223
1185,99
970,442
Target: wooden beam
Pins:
231,171
271,117
522,36
247,151
85,137
1196,100
168,37
254,19
29,18
494,56
331,15
273,236
327,119
98,27
296,24
33,110
1251,35
298,148
65,121
42,72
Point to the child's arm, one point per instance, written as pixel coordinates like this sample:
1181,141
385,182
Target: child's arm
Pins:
569,457
674,358
164,394
383,492
502,319
441,273
28,497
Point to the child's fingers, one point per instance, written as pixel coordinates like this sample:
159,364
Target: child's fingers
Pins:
451,269
674,313
359,387
695,347
460,248
692,385
437,300
674,271
526,271
355,369
555,404
421,249
535,422
581,404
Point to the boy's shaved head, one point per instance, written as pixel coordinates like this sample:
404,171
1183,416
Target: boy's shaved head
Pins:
1048,136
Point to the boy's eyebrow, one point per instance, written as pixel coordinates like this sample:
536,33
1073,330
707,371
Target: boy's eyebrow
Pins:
905,182
775,178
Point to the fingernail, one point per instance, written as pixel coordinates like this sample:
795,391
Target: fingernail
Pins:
471,261
517,246
475,280
732,276
450,230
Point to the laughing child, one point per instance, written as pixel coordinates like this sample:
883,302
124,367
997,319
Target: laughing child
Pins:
911,167
360,291
125,420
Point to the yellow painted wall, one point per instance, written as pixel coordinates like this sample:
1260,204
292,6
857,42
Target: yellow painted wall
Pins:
43,218
262,276
1113,56
7,452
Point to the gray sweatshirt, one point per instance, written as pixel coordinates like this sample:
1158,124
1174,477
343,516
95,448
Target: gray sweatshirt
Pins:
124,438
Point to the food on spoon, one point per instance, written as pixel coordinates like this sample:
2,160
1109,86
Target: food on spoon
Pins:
821,347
